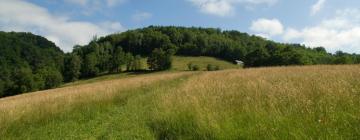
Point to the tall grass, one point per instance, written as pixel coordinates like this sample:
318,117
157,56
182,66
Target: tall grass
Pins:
42,105
312,102
180,63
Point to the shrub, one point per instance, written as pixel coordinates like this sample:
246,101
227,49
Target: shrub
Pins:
211,67
195,68
190,66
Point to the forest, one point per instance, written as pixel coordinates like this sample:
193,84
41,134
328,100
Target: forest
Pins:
30,62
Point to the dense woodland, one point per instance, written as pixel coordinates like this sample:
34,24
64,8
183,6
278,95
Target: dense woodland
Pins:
29,62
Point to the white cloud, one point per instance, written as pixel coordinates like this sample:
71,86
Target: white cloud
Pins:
18,15
267,27
109,3
317,7
341,32
89,7
225,8
141,16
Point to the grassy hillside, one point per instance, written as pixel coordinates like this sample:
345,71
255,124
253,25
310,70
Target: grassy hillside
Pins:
180,62
312,102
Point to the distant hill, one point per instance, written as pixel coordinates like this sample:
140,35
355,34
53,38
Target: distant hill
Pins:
228,45
28,62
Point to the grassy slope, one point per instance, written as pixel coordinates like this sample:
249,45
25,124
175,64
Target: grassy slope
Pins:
312,102
179,64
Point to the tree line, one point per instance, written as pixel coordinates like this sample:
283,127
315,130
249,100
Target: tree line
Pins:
29,62
228,45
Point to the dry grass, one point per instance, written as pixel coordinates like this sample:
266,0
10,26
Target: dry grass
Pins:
307,102
312,102
43,103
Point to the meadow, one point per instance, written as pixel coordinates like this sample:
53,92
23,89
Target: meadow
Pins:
298,102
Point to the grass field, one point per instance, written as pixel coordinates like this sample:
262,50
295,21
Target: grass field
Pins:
180,63
309,102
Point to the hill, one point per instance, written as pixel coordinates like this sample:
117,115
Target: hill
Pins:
227,45
307,102
27,63
179,64
30,62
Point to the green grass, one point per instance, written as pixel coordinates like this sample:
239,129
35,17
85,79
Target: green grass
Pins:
180,63
127,116
310,102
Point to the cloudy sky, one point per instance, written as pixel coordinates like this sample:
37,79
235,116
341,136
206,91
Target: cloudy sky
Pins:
333,24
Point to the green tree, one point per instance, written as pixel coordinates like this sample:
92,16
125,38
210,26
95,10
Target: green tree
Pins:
72,68
258,57
88,68
23,81
136,63
2,88
118,60
50,77
160,60
129,58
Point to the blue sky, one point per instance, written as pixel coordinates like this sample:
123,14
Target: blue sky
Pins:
333,24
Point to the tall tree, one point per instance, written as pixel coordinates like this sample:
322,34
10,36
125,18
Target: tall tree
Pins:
160,60
72,67
118,59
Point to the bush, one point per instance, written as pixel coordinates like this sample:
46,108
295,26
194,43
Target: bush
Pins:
190,66
195,68
211,67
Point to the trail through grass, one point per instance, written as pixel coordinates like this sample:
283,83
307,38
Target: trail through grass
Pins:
311,102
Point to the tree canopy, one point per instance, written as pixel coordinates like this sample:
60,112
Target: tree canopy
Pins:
28,63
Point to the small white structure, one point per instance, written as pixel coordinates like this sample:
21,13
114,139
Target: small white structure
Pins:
238,62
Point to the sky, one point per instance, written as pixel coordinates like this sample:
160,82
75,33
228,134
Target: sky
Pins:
332,24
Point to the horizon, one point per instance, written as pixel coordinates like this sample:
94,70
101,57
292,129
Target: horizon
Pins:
330,24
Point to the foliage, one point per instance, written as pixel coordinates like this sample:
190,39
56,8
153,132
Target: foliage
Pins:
195,67
211,67
23,57
160,60
135,64
72,67
227,45
190,66
50,77
39,59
